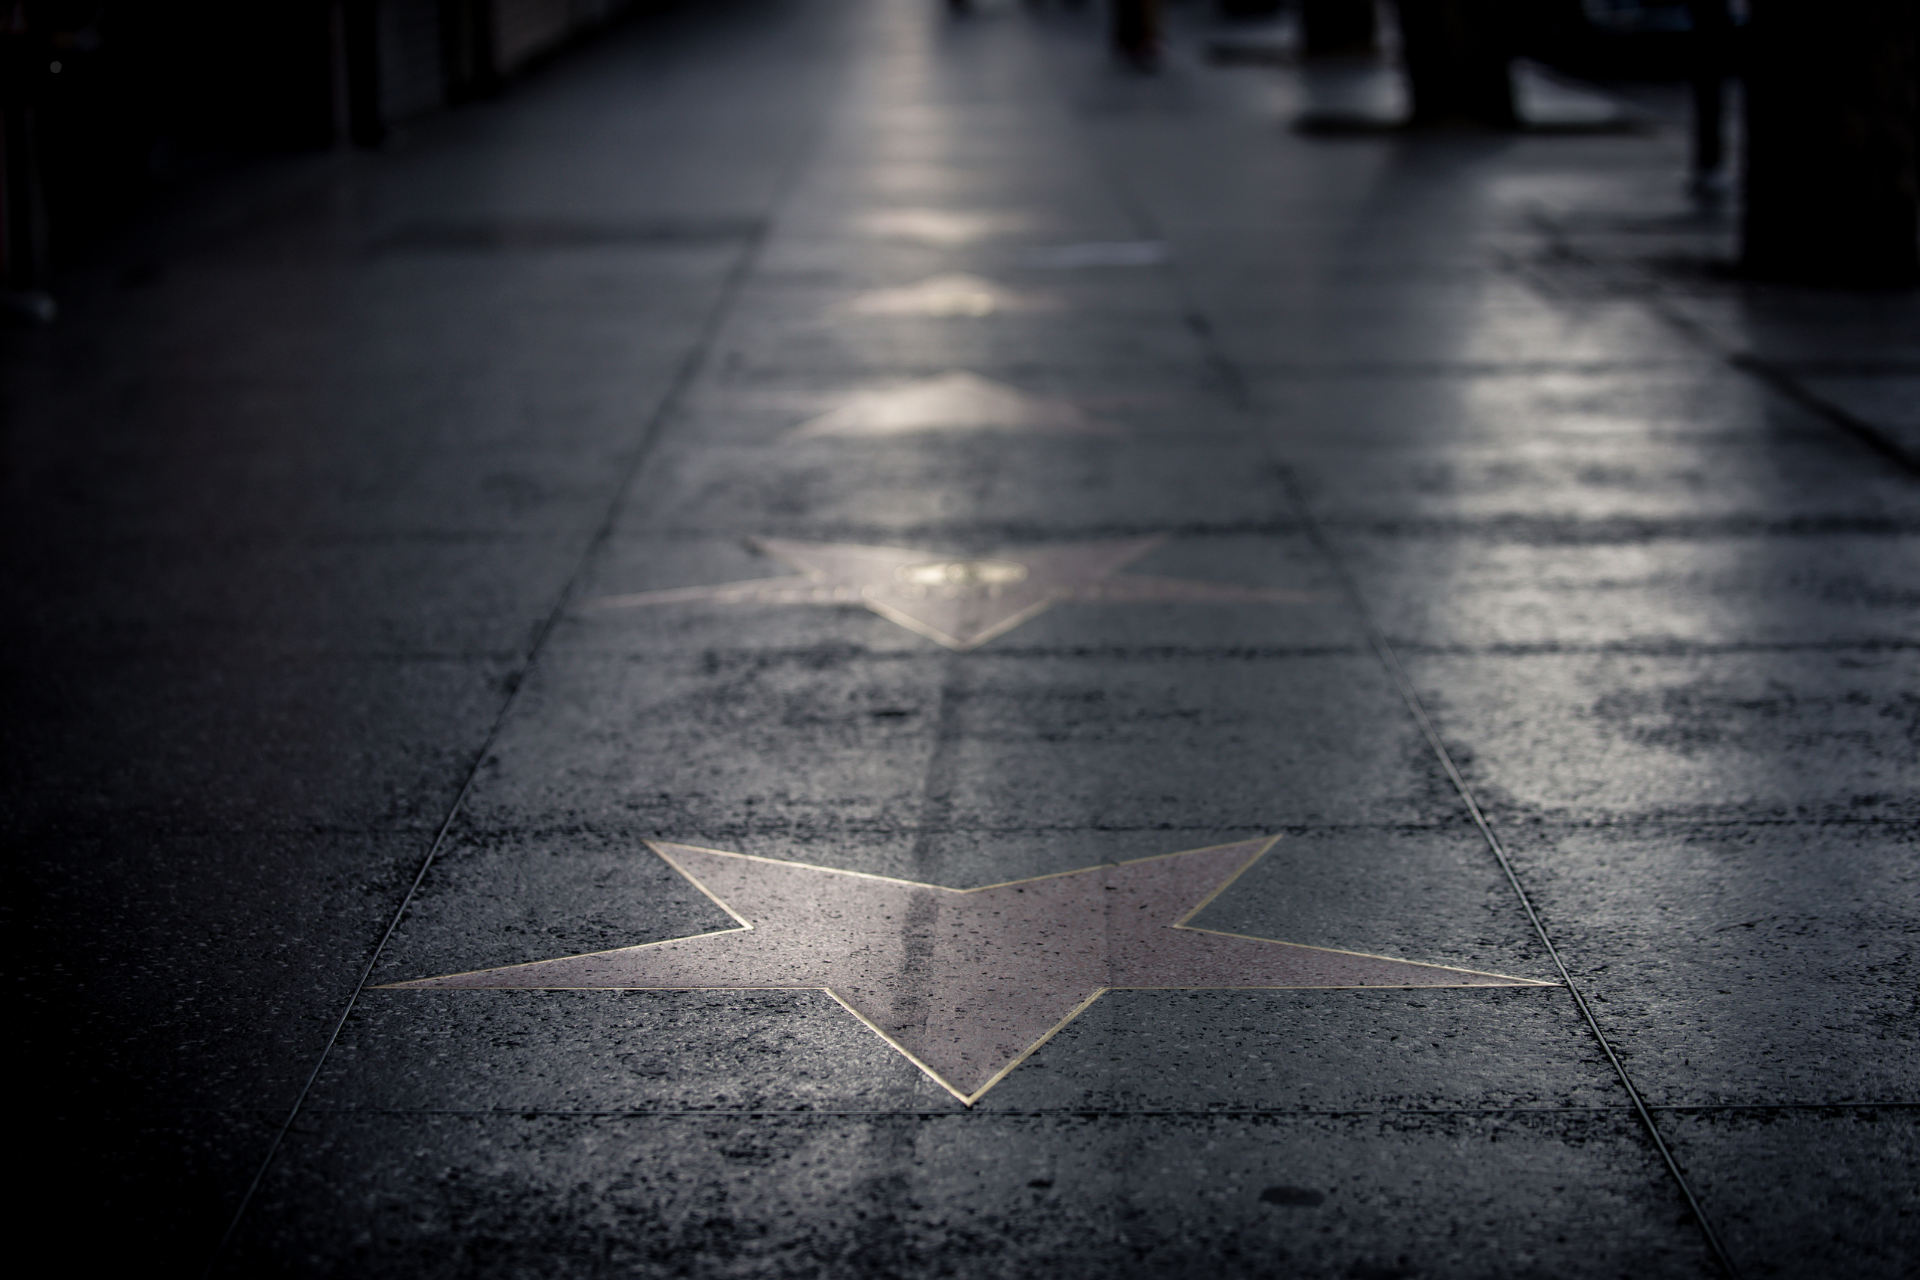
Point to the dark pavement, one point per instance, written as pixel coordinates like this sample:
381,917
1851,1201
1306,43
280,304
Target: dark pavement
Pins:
1558,612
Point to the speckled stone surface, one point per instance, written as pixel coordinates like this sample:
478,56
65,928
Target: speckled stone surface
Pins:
1551,596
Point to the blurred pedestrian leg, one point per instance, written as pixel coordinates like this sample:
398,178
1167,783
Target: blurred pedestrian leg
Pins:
1458,56
1136,32
1710,61
24,240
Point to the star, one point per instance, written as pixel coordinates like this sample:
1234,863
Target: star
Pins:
960,602
946,228
955,294
953,401
966,983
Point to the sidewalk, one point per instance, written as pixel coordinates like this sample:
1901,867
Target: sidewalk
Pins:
1115,472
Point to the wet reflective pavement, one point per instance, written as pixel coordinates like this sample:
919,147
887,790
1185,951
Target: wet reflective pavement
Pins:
791,462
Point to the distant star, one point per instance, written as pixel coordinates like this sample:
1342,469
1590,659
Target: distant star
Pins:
961,602
953,401
966,983
946,228
955,294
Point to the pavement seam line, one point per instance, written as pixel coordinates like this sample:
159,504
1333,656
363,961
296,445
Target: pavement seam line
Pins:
1410,696
690,367
1497,847
1239,391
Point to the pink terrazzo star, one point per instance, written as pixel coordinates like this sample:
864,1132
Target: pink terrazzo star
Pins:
966,982
960,602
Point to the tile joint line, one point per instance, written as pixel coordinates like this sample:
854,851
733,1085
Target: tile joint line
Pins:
1411,697
1770,373
1236,385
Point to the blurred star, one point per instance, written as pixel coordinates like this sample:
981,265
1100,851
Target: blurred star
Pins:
961,602
955,294
952,401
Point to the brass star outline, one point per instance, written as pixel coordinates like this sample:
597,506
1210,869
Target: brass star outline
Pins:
967,983
959,601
